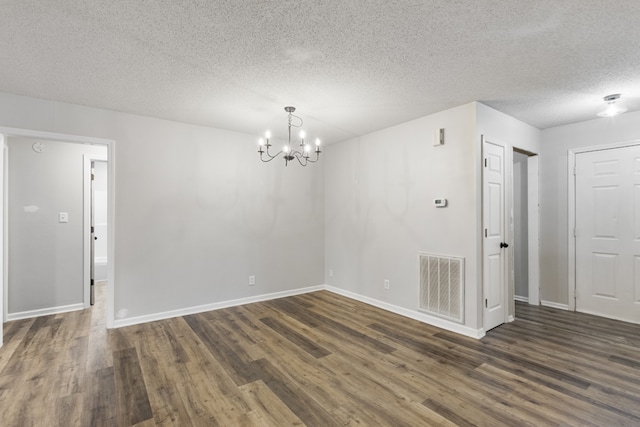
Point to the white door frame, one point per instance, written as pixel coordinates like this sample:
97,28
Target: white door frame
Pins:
6,132
533,227
571,211
87,199
3,227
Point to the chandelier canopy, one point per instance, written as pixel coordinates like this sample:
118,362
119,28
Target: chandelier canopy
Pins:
302,155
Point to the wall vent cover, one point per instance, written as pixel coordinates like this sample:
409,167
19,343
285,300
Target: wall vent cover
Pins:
442,286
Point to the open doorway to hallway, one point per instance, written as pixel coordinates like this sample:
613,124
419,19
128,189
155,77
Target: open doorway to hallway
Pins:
525,227
46,227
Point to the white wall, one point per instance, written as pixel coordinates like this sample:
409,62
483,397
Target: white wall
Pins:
196,212
379,207
45,256
553,191
379,203
520,223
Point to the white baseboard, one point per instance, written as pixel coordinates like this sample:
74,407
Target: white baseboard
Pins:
44,311
521,299
552,304
412,314
416,315
119,323
606,316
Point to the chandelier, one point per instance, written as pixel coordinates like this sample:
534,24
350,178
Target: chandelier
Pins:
302,155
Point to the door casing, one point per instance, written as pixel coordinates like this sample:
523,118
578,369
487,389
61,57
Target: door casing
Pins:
571,211
88,159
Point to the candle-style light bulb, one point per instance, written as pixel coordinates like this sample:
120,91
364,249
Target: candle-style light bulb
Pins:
307,148
317,141
286,148
267,134
261,142
302,134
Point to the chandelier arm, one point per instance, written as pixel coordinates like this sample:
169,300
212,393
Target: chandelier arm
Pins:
313,161
270,157
299,156
268,154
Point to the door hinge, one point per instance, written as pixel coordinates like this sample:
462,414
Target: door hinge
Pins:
574,171
485,232
92,229
486,303
575,232
485,163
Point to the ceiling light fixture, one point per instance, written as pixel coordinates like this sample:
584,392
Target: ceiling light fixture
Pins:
302,155
612,109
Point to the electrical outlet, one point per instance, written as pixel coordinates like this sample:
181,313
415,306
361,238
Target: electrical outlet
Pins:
386,283
252,280
330,273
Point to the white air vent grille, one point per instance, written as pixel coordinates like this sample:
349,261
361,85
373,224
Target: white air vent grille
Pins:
442,286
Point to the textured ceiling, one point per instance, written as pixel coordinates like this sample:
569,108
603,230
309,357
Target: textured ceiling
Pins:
350,66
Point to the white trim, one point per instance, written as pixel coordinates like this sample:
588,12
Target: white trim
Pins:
422,317
412,314
521,299
511,318
119,323
607,316
571,211
53,136
5,228
111,146
3,192
87,159
571,242
533,228
552,304
45,311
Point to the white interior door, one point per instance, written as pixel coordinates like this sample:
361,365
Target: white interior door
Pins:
608,233
494,245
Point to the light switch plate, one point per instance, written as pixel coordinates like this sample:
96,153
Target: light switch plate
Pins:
63,216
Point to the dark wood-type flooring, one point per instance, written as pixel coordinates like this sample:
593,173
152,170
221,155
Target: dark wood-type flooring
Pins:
318,360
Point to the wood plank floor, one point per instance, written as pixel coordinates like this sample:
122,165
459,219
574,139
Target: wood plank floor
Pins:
318,360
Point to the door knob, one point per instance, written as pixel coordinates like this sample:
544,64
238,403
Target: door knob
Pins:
504,245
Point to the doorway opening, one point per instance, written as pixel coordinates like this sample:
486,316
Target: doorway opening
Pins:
525,227
96,224
509,175
53,213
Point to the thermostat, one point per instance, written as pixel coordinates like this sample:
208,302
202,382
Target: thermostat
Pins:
440,203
